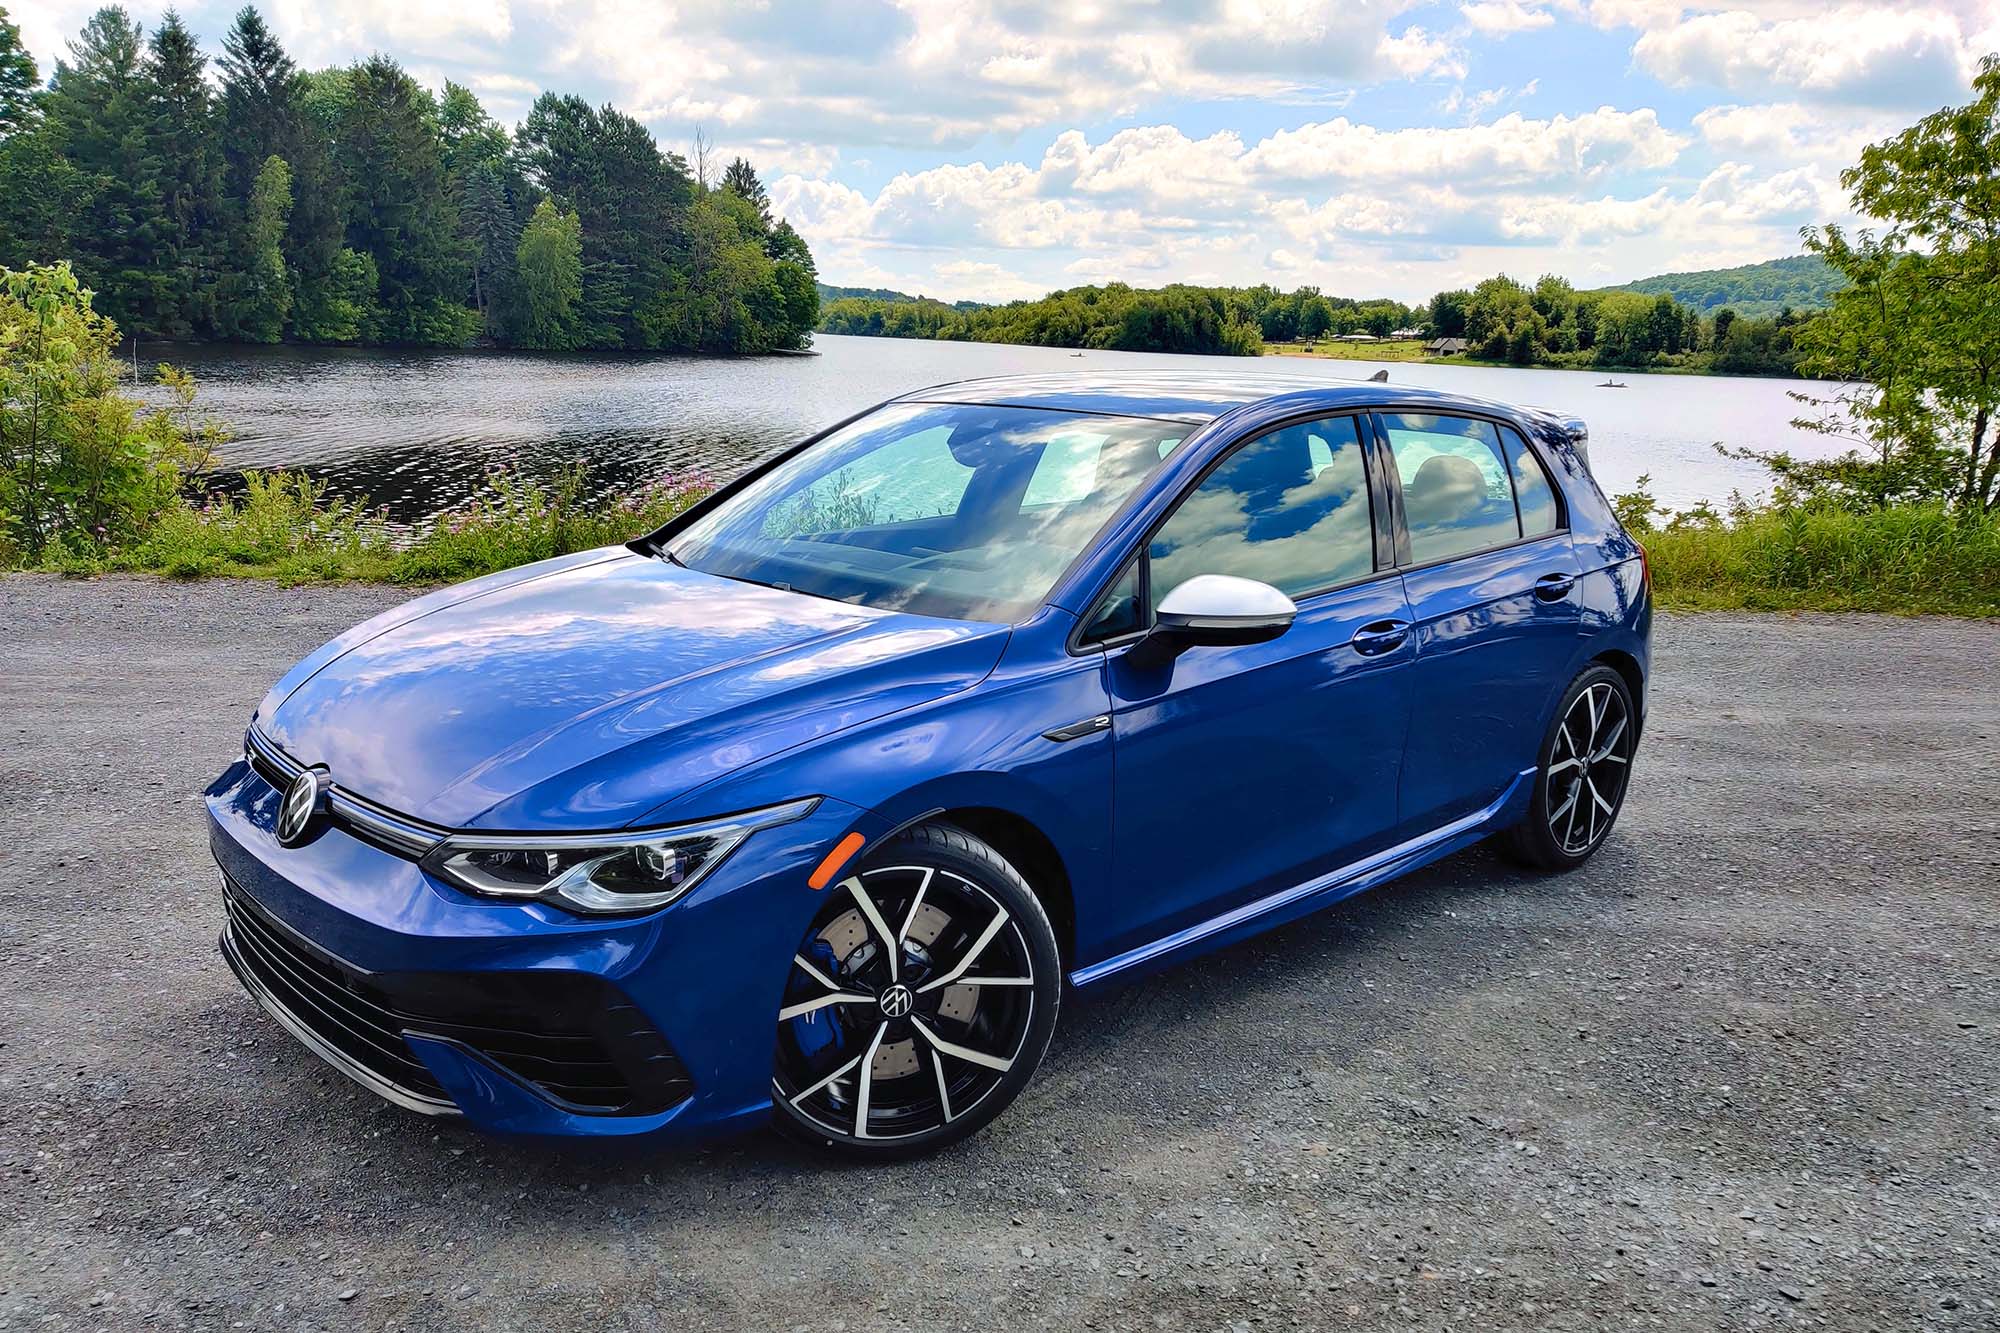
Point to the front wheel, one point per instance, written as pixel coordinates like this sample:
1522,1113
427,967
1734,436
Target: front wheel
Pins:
919,1002
1586,762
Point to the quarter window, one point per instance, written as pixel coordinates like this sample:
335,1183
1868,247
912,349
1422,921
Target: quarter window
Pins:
1456,494
1532,491
1289,508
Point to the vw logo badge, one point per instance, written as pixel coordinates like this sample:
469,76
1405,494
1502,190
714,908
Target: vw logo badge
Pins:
299,811
897,1002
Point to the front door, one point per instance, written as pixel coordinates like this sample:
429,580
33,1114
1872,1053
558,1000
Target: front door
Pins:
1244,770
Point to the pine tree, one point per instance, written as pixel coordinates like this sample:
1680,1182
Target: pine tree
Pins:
492,233
399,211
181,137
98,111
740,179
18,80
263,116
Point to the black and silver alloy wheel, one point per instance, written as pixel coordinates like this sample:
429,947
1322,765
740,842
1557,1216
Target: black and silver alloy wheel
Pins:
919,1001
1586,762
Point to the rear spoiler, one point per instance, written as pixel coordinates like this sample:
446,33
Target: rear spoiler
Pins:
1573,429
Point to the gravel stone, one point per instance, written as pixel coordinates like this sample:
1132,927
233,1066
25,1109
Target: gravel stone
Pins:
1752,1042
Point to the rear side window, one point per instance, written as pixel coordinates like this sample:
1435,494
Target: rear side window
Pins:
1457,496
1289,508
1532,490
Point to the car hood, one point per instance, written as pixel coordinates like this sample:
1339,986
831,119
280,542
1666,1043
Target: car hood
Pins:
587,692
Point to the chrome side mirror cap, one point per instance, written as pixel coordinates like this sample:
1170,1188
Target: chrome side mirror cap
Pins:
1213,610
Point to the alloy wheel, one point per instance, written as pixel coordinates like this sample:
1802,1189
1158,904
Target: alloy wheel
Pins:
1588,768
909,1001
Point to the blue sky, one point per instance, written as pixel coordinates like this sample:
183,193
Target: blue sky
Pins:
1000,148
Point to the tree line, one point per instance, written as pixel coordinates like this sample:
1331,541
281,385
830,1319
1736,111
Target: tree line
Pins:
1553,324
265,203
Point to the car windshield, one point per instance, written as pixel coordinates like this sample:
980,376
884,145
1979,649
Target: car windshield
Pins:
963,511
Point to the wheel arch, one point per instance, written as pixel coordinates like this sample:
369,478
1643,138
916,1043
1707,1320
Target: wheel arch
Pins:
1030,851
1628,668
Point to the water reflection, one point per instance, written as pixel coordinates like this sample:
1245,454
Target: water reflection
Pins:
417,430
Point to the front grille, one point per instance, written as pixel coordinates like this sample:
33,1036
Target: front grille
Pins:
574,1036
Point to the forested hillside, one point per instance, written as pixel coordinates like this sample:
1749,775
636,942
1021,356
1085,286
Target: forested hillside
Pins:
246,199
1800,283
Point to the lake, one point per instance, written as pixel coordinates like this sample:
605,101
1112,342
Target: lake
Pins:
417,430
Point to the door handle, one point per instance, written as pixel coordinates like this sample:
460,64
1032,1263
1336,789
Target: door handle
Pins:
1380,636
1554,587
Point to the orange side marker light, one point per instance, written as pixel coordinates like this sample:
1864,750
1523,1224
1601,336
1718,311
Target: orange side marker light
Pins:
843,851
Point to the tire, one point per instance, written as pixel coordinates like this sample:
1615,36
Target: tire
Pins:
1572,811
882,1067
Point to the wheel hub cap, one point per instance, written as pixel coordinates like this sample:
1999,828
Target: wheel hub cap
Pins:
897,1001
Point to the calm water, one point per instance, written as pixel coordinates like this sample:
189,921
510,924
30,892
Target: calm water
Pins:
416,430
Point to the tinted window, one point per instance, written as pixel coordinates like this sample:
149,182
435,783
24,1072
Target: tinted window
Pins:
1456,495
1289,508
1532,491
956,510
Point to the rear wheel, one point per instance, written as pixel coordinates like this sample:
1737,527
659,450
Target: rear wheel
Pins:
919,1002
1586,762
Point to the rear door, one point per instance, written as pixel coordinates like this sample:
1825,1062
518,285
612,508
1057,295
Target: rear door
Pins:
1491,578
1244,770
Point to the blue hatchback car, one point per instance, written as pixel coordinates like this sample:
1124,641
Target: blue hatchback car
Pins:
811,805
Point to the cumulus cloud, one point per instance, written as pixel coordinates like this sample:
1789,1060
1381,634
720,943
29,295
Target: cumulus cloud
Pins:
1501,18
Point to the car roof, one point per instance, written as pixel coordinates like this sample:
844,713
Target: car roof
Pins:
1192,395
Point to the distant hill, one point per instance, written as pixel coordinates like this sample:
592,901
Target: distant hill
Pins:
1755,291
828,295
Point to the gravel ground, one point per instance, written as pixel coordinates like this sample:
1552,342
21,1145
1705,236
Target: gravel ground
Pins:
1741,1070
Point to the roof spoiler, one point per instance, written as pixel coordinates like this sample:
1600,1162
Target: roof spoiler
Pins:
1573,429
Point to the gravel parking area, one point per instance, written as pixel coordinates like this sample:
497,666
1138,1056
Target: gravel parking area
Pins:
1742,1070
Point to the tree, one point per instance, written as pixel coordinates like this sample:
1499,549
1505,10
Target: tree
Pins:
399,212
1448,313
18,80
1915,336
549,273
181,139
740,179
268,298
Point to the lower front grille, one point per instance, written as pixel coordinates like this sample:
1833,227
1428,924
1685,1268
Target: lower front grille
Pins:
575,1037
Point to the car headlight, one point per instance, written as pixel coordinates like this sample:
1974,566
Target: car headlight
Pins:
601,872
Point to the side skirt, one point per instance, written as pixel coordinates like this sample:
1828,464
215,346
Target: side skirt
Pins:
1324,891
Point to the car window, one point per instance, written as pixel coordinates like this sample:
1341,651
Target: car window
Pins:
961,510
1456,495
1289,508
1533,492
914,477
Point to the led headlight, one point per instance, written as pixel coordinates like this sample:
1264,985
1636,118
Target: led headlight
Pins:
601,872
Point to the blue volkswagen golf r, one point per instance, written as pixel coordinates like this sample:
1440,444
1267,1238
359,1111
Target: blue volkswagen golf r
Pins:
809,805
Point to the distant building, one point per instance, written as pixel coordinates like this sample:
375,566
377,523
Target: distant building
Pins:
1404,335
1357,338
1445,346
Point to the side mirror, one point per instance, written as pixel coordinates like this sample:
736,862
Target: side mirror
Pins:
1213,610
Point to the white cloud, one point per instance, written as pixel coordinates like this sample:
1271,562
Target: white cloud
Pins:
1868,55
1501,18
1512,150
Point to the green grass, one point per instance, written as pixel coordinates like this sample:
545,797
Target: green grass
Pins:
1909,559
287,527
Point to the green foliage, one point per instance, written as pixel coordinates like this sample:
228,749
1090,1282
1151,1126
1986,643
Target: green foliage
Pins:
81,464
549,269
405,209
1113,317
1915,336
18,80
1761,291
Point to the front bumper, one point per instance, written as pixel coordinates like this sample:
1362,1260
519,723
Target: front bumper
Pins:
521,1017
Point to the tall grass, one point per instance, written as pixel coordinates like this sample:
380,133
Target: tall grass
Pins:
288,527
1906,558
